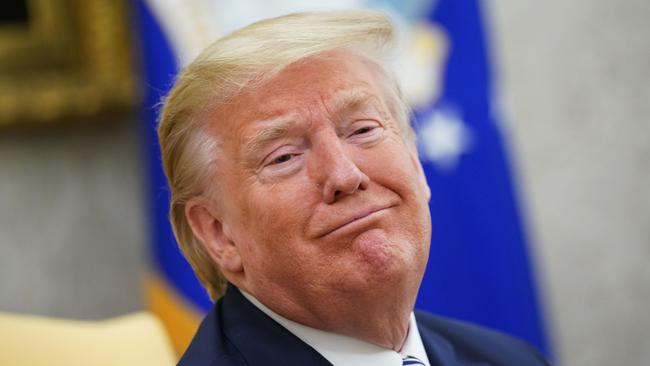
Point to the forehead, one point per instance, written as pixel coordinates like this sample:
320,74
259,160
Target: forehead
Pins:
306,85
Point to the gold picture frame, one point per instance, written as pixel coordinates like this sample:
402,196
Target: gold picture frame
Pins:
70,59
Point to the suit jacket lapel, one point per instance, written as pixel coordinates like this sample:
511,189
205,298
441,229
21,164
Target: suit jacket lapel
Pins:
439,350
261,340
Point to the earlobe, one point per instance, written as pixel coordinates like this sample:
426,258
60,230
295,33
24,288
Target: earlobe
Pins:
208,229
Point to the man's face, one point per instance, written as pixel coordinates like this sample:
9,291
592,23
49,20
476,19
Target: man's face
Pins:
318,192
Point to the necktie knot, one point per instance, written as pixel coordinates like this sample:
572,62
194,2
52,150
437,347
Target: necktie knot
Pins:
410,360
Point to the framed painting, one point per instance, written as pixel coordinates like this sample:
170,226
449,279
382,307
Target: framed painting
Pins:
64,59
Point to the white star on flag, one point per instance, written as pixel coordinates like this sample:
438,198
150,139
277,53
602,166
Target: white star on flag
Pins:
443,137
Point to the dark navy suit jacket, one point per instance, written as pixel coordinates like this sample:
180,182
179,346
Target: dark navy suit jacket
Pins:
236,332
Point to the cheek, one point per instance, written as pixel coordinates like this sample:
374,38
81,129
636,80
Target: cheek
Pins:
275,219
276,249
393,167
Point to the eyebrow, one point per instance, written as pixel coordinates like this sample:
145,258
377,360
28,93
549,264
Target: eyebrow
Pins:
352,99
274,129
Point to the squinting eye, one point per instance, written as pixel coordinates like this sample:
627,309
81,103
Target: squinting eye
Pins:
363,130
281,159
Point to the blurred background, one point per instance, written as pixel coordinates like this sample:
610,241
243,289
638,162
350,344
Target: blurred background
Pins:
563,84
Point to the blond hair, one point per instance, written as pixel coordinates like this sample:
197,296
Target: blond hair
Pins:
244,59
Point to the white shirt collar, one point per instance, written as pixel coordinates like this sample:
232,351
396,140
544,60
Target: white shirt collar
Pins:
342,350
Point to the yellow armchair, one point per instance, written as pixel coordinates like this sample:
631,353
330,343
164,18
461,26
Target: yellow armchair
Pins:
136,339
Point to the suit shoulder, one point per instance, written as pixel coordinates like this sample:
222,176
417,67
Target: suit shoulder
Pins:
476,343
210,347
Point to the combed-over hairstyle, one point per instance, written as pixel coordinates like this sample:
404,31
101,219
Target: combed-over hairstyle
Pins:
243,59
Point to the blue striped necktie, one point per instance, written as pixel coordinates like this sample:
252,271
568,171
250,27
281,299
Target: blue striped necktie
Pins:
410,360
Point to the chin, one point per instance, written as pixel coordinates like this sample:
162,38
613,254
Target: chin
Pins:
386,264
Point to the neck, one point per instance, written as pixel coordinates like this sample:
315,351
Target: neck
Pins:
383,321
386,328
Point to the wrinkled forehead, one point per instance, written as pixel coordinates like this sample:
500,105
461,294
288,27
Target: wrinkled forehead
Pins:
333,80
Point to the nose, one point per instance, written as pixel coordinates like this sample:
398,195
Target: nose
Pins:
337,172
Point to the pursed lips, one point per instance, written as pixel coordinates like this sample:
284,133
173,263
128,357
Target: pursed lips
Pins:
350,219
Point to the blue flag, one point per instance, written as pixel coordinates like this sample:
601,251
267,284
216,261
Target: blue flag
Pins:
479,267
172,290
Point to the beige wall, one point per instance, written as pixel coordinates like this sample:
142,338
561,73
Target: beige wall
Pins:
575,82
575,86
71,219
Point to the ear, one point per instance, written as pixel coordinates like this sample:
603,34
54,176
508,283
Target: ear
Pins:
202,215
422,178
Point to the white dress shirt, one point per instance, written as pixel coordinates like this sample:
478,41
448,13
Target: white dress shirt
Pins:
342,350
